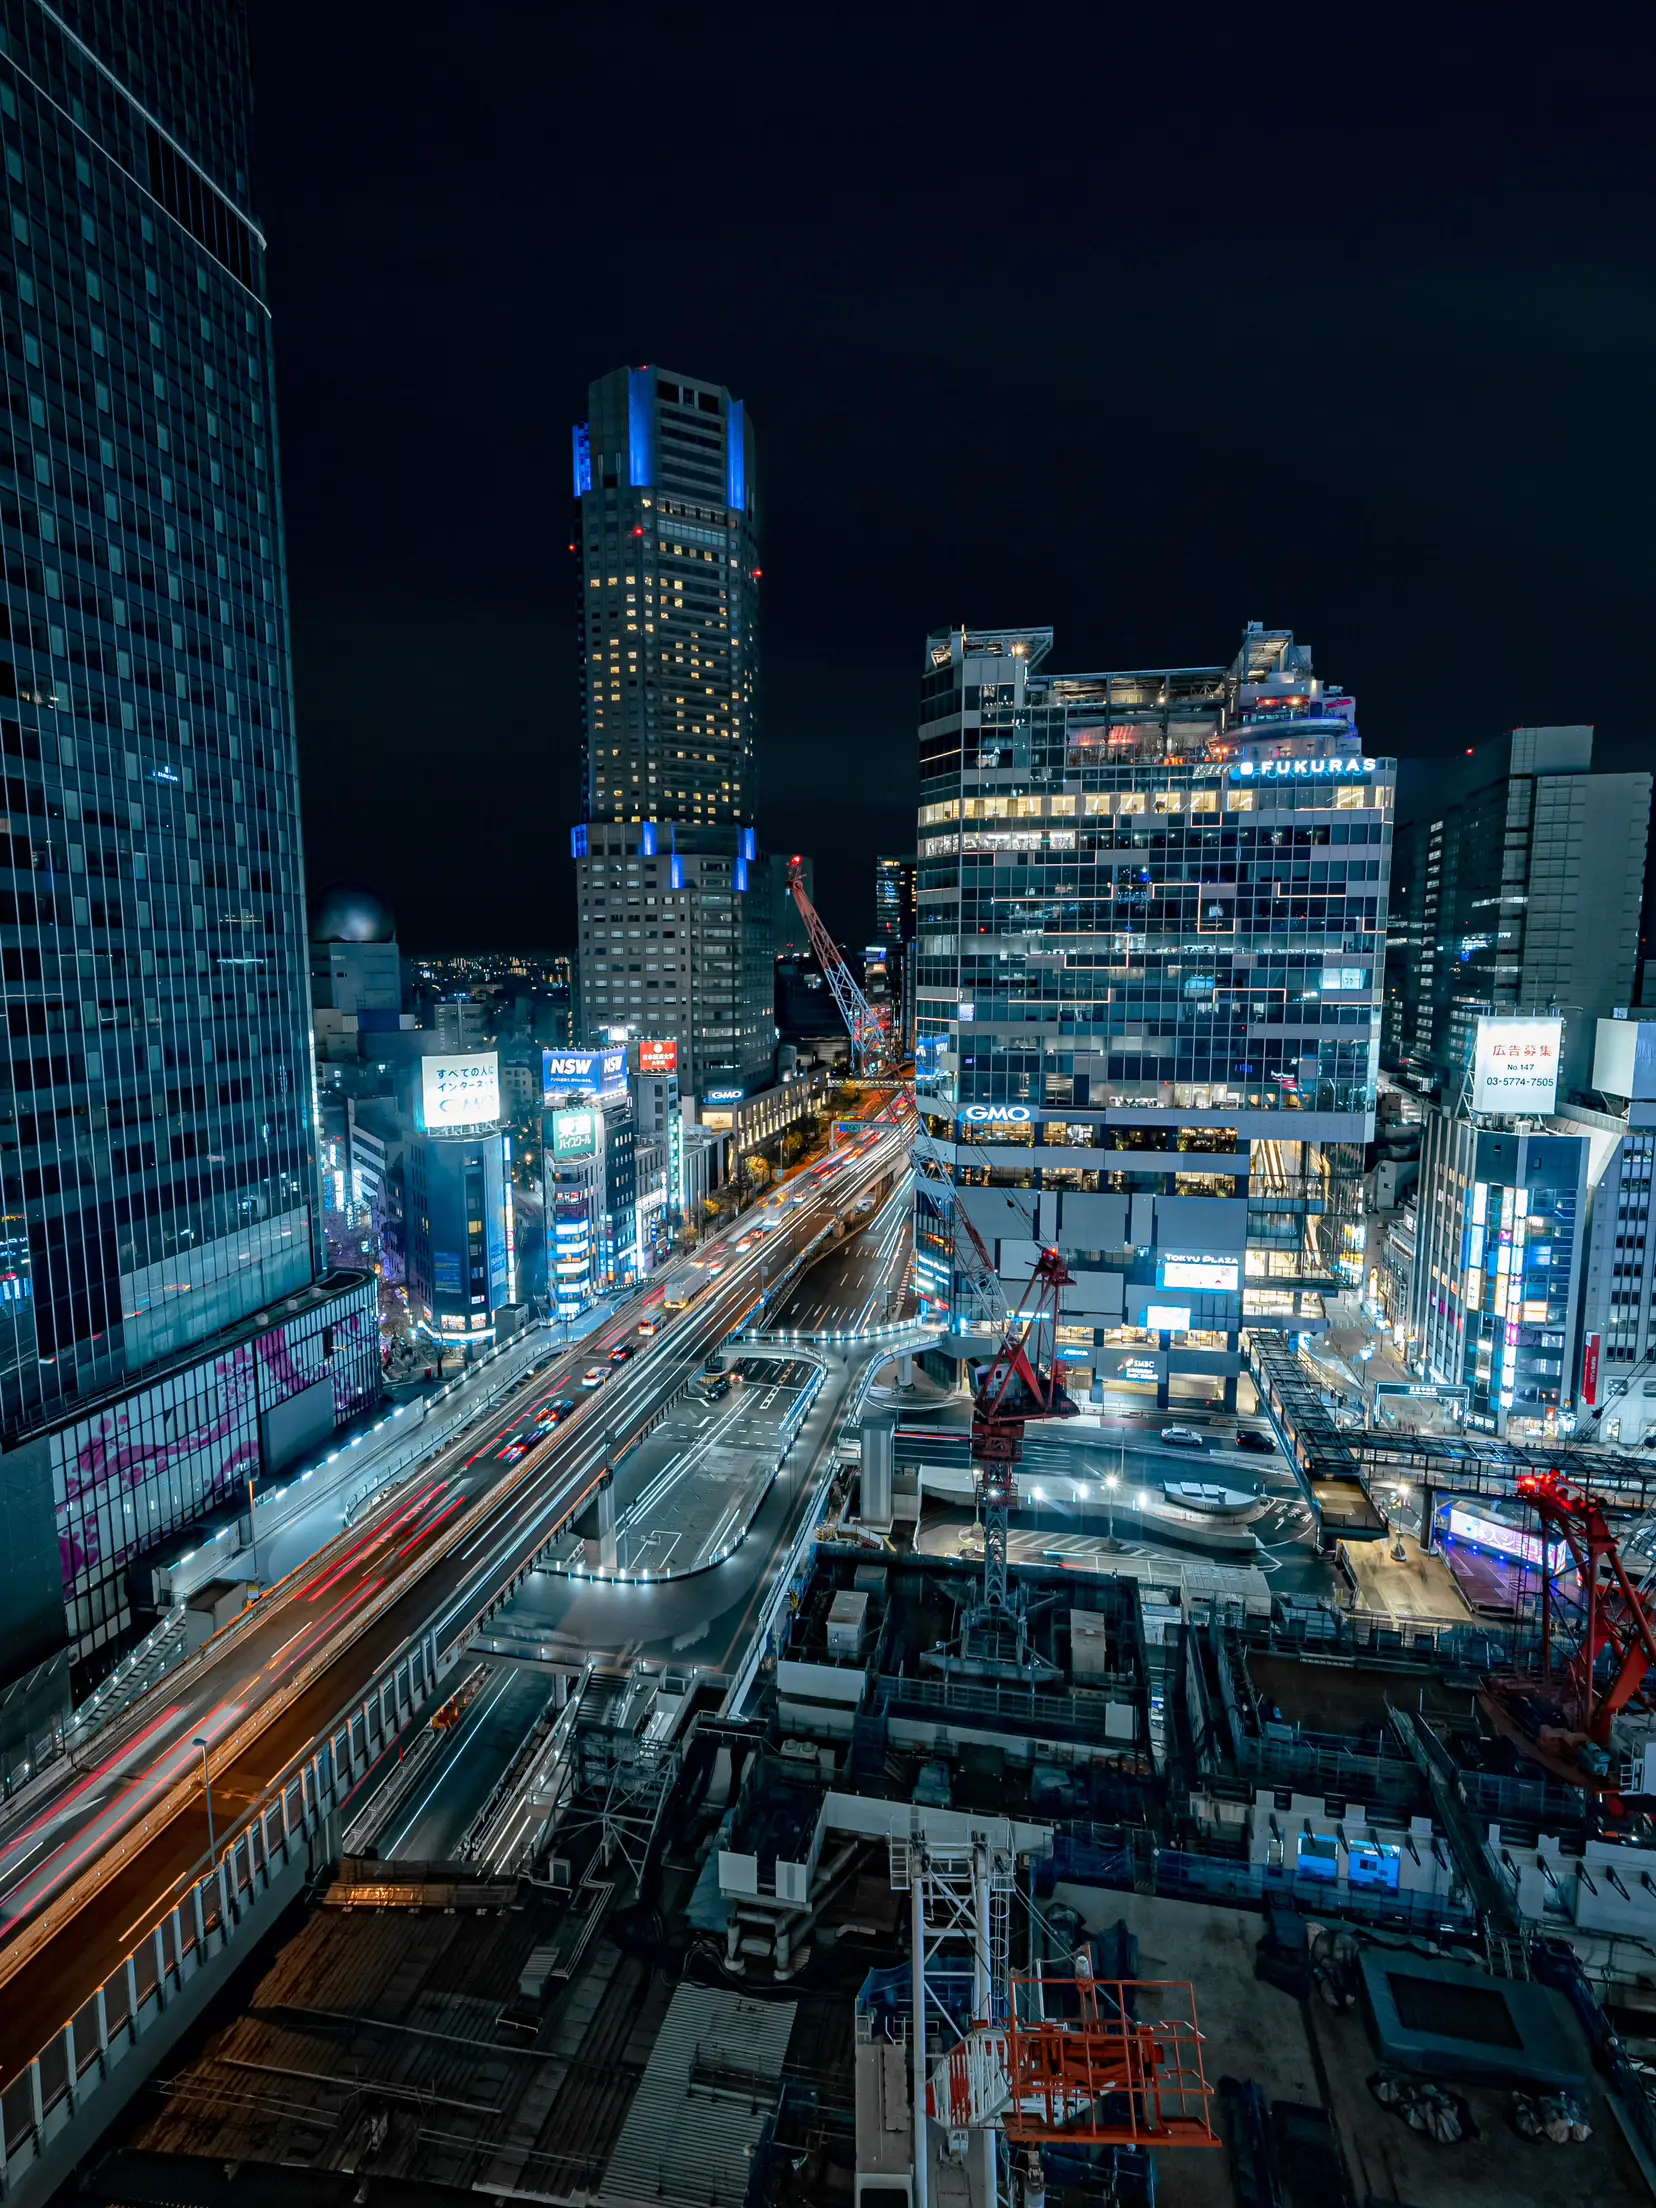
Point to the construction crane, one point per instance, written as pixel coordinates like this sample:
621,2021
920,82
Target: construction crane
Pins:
1007,1392
1076,2062
1565,1722
868,1028
1053,2057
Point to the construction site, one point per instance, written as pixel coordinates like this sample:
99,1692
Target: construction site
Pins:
965,1881
931,1872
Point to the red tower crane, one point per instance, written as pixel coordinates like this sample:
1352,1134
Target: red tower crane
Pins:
1613,1613
1576,1705
869,1029
1008,1391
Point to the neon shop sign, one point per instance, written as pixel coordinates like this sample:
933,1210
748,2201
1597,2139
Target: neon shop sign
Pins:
1301,770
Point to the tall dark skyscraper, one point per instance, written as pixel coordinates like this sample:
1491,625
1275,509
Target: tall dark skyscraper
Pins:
162,1305
673,906
1519,877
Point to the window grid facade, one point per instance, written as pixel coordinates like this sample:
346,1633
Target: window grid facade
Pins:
667,549
157,1146
1152,913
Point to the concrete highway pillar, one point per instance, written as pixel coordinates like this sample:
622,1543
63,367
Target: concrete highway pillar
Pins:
905,1370
1428,1511
601,1550
879,1456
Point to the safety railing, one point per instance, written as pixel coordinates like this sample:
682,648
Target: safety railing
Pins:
265,1852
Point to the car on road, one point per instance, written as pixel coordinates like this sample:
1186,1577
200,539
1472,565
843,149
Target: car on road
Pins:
715,1268
715,1385
1183,1437
646,1326
555,1413
595,1376
517,1447
1250,1438
620,1353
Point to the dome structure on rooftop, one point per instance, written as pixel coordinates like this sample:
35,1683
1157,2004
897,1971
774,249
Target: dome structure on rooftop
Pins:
348,913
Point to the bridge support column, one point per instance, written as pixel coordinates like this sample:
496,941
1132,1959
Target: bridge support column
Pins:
601,1552
875,1486
1428,1511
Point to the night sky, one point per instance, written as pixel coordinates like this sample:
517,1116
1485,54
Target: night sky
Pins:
1143,329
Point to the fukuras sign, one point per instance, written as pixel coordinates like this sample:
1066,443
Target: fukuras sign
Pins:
1301,770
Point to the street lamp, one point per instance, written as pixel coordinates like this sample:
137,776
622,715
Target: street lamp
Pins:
200,1741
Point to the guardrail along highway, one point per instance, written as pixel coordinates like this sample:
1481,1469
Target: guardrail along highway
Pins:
89,1866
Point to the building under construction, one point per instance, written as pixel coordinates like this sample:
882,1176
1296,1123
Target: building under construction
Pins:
1138,1907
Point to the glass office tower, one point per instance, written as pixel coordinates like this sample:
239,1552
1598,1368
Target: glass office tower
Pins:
673,900
1151,934
161,1295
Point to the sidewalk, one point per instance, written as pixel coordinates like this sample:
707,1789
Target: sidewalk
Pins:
1421,1586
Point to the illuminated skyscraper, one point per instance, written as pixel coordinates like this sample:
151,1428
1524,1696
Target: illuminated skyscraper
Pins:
1152,921
673,902
161,1306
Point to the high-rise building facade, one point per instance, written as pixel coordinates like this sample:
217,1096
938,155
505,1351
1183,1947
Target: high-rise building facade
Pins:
163,1285
589,1173
1498,1270
1519,877
896,882
673,901
894,893
1152,918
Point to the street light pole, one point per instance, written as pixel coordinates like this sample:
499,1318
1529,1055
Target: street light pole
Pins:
200,1741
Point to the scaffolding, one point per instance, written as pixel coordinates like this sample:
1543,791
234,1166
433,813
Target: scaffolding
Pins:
1037,2059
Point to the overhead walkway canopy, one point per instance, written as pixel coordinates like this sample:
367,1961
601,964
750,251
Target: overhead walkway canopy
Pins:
1327,1455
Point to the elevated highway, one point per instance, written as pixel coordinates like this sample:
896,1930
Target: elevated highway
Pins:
91,1870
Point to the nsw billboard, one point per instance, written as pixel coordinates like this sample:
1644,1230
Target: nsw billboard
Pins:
583,1072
